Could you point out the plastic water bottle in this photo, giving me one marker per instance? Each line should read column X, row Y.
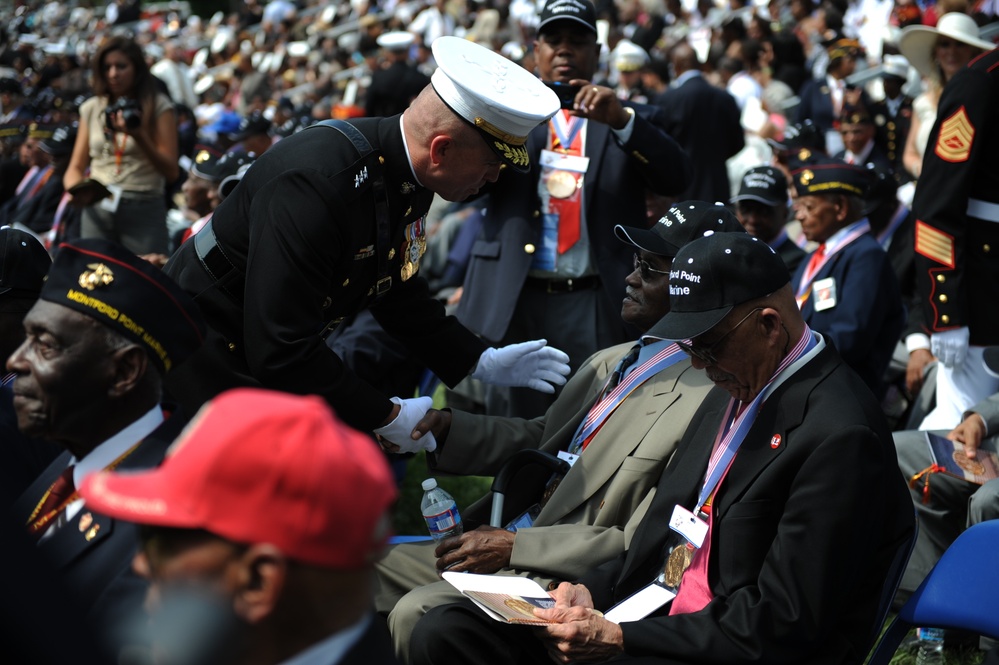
column 440, row 511
column 931, row 641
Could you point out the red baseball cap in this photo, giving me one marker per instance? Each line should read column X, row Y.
column 257, row 466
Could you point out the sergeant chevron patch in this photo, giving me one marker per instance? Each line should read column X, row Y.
column 934, row 244
column 956, row 136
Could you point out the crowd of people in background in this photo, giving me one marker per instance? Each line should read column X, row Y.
column 855, row 138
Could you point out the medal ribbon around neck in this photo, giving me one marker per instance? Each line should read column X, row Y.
column 854, row 231
column 602, row 410
column 735, row 427
column 566, row 129
column 38, row 524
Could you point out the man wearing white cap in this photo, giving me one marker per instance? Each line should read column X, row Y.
column 330, row 221
column 398, row 82
column 546, row 262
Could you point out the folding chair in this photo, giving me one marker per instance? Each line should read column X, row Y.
column 961, row 592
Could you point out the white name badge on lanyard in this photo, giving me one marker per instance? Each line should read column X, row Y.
column 111, row 203
column 568, row 457
column 688, row 525
column 562, row 162
column 824, row 294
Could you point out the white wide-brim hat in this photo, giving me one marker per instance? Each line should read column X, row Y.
column 498, row 97
column 917, row 41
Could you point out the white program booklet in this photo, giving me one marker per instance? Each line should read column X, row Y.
column 503, row 597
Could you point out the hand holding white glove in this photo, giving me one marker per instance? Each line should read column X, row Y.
column 399, row 431
column 950, row 346
column 528, row 364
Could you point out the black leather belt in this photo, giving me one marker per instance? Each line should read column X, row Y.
column 563, row 285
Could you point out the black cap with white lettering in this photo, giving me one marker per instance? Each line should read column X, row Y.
column 711, row 275
column 682, row 223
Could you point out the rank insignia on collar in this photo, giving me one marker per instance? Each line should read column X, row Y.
column 98, row 275
column 360, row 177
column 407, row 188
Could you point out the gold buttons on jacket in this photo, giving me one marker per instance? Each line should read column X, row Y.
column 986, row 248
column 346, row 281
column 944, row 319
column 941, row 278
column 943, row 297
column 529, row 248
column 537, row 213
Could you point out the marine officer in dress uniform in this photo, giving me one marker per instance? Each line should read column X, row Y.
column 330, row 221
column 957, row 238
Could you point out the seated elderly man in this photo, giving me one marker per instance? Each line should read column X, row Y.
column 846, row 288
column 258, row 533
column 761, row 206
column 945, row 505
column 619, row 420
column 783, row 503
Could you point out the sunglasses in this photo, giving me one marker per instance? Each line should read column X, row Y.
column 645, row 270
column 707, row 354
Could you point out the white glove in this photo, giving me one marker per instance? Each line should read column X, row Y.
column 399, row 431
column 528, row 364
column 950, row 346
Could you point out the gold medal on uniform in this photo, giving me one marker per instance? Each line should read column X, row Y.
column 416, row 245
column 561, row 184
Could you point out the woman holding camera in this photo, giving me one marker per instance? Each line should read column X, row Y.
column 128, row 142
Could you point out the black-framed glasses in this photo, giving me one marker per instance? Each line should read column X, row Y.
column 707, row 355
column 646, row 270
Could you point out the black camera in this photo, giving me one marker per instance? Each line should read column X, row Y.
column 566, row 93
column 131, row 113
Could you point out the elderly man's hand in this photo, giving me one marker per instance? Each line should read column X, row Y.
column 914, row 371
column 599, row 103
column 438, row 423
column 580, row 634
column 484, row 550
column 970, row 432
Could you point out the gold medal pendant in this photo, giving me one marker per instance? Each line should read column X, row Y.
column 408, row 270
column 676, row 564
column 561, row 184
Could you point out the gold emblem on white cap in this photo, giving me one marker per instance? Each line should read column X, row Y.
column 98, row 275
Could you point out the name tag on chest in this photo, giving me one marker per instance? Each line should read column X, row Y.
column 824, row 293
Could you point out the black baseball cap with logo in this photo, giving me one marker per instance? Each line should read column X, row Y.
column 581, row 11
column 713, row 274
column 764, row 184
column 682, row 223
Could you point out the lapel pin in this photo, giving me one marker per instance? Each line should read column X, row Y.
column 775, row 441
column 86, row 521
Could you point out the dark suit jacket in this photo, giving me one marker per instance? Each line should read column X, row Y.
column 300, row 232
column 876, row 157
column 38, row 212
column 902, row 255
column 868, row 317
column 99, row 571
column 802, row 535
column 790, row 254
column 705, row 121
column 613, row 193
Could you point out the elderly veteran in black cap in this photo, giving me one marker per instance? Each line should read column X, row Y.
column 331, row 221
column 761, row 206
column 253, row 134
column 858, row 130
column 106, row 328
column 764, row 489
column 846, row 288
column 23, row 266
